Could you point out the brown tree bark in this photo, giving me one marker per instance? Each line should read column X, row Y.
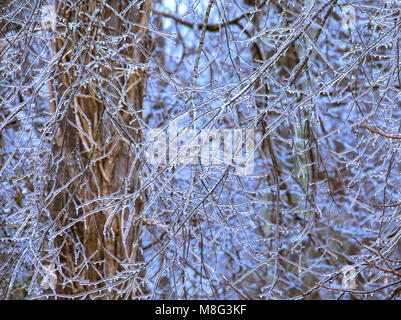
column 97, row 104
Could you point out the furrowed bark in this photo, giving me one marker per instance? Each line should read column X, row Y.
column 97, row 107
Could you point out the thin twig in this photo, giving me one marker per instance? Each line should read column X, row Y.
column 381, row 133
column 235, row 289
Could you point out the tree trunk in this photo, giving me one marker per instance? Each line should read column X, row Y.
column 98, row 92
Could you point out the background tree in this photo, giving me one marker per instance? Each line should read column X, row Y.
column 97, row 104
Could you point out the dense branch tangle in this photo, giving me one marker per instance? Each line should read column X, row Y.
column 97, row 121
column 324, row 99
